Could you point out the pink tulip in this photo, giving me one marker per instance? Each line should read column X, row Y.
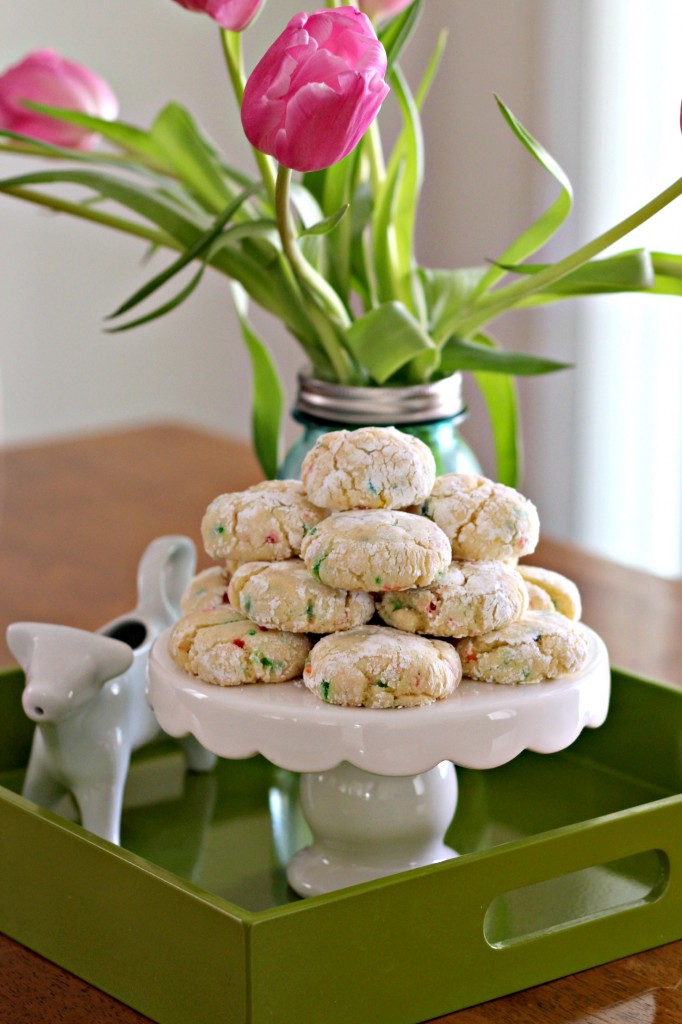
column 233, row 15
column 316, row 90
column 383, row 8
column 45, row 77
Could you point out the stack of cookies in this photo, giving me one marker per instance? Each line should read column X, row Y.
column 378, row 583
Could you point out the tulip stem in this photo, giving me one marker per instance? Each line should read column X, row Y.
column 326, row 311
column 374, row 149
column 232, row 51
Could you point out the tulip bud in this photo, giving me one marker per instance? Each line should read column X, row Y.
column 45, row 77
column 313, row 95
column 380, row 9
column 233, row 15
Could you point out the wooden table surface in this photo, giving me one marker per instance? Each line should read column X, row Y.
column 75, row 517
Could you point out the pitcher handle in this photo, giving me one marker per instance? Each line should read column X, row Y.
column 165, row 570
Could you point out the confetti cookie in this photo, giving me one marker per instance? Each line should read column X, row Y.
column 185, row 630
column 284, row 595
column 374, row 549
column 231, row 653
column 541, row 645
column 208, row 589
column 550, row 591
column 378, row 667
column 265, row 523
column 467, row 599
column 373, row 467
column 484, row 520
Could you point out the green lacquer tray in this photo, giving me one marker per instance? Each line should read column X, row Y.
column 567, row 861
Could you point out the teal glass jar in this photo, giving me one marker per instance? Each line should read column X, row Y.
column 432, row 412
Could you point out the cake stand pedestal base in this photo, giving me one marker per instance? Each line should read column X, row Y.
column 365, row 825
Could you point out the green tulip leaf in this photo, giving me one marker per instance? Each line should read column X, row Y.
column 385, row 267
column 385, row 339
column 446, row 293
column 339, row 189
column 548, row 223
column 397, row 32
column 408, row 156
column 394, row 226
column 160, row 311
column 458, row 354
column 125, row 136
column 175, row 135
column 501, row 399
column 152, row 205
column 306, row 205
column 267, row 395
column 667, row 273
column 323, row 227
column 194, row 251
column 625, row 272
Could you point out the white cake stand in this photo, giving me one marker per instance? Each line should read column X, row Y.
column 378, row 788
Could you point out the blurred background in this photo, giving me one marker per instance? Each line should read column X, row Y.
column 597, row 81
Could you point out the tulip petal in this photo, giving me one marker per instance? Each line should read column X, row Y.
column 43, row 77
column 316, row 90
column 233, row 15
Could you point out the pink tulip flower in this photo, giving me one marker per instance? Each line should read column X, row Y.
column 313, row 95
column 380, row 9
column 233, row 15
column 45, row 77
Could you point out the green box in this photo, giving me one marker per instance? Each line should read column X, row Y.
column 567, row 861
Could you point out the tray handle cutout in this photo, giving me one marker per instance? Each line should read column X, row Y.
column 569, row 899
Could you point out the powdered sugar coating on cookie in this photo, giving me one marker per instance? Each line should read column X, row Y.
column 551, row 591
column 208, row 589
column 467, row 599
column 285, row 595
column 232, row 653
column 483, row 519
column 379, row 667
column 185, row 630
column 265, row 523
column 541, row 645
column 372, row 467
column 375, row 550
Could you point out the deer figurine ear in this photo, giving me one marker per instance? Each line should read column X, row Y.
column 107, row 657
column 21, row 638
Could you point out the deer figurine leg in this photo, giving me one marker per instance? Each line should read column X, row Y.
column 100, row 804
column 40, row 785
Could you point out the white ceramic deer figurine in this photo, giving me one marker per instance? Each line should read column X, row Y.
column 86, row 693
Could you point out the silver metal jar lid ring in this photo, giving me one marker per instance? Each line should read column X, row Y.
column 414, row 403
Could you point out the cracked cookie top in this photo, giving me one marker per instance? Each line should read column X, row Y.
column 285, row 595
column 537, row 647
column 372, row 467
column 265, row 523
column 227, row 649
column 482, row 519
column 466, row 599
column 376, row 550
column 379, row 667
